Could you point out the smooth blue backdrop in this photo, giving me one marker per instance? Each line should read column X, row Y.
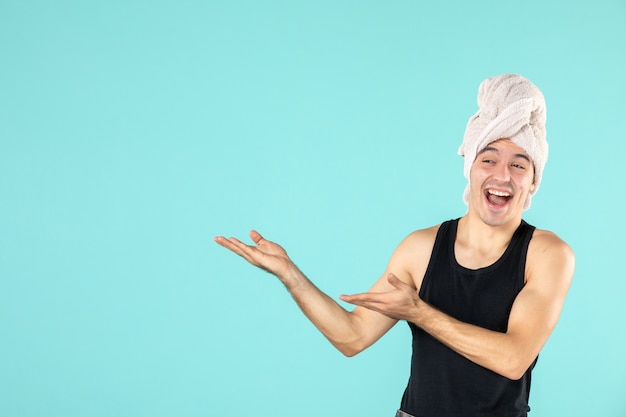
column 132, row 132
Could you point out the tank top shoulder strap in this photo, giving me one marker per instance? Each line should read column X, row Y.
column 520, row 243
column 441, row 249
column 445, row 232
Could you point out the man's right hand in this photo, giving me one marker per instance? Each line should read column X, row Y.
column 265, row 254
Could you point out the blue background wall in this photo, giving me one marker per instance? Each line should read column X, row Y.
column 132, row 132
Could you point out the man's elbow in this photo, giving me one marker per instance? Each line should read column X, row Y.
column 349, row 349
column 349, row 353
column 515, row 369
column 514, row 374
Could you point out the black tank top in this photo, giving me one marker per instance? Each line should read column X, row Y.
column 444, row 383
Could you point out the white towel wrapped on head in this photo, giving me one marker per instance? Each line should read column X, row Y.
column 509, row 107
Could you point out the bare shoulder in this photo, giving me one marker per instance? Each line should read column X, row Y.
column 418, row 242
column 545, row 242
column 422, row 237
column 550, row 256
column 413, row 254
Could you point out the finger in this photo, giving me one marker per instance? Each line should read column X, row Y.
column 397, row 282
column 245, row 251
column 256, row 237
column 351, row 299
column 363, row 302
column 348, row 298
column 394, row 280
column 227, row 243
column 358, row 299
column 222, row 241
column 236, row 246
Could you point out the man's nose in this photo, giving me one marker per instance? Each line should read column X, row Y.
column 502, row 172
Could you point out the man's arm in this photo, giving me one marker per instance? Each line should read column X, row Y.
column 534, row 314
column 349, row 332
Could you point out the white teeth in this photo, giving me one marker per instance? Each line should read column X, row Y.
column 499, row 193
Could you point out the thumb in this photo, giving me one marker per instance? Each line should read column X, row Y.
column 256, row 236
column 395, row 281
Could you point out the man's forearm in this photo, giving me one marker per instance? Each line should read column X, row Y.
column 498, row 352
column 339, row 326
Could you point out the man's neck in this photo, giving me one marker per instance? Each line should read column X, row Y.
column 478, row 244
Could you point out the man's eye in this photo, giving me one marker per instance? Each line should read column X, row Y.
column 519, row 166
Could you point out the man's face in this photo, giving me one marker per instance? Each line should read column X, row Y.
column 501, row 177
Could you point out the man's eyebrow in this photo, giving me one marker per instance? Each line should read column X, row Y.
column 487, row 149
column 492, row 149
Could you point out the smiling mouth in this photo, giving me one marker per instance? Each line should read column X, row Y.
column 498, row 198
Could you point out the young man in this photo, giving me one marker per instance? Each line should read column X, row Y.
column 481, row 293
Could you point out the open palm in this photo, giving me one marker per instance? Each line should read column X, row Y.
column 264, row 254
